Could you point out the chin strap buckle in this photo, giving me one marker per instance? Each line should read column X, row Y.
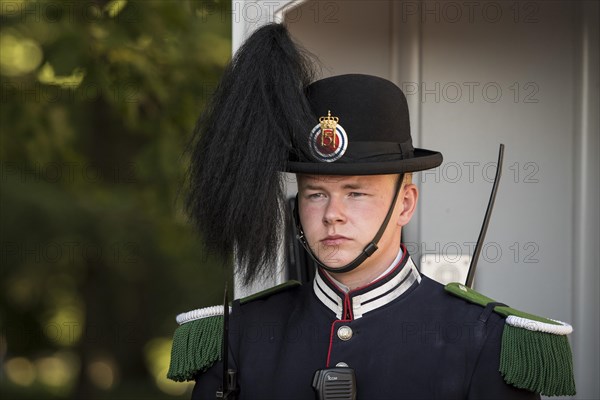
column 370, row 249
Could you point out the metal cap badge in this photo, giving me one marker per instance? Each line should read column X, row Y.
column 328, row 140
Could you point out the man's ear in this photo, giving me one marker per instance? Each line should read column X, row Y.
column 407, row 202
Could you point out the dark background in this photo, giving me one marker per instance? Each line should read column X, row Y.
column 98, row 102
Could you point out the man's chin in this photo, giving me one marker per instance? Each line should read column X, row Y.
column 334, row 256
column 336, row 262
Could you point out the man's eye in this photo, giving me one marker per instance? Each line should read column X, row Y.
column 356, row 194
column 315, row 195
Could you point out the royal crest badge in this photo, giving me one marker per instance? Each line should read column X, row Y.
column 328, row 140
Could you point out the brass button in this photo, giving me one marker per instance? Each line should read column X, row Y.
column 344, row 332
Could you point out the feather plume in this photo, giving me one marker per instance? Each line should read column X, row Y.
column 235, row 193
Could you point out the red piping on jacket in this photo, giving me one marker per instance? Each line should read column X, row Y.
column 348, row 312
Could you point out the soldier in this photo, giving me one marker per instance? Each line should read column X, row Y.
column 369, row 326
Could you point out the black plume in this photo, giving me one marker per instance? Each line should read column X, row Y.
column 241, row 142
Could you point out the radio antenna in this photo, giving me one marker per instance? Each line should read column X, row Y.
column 486, row 220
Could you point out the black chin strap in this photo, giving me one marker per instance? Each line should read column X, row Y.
column 369, row 248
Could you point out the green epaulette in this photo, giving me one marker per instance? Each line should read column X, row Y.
column 197, row 340
column 196, row 343
column 535, row 353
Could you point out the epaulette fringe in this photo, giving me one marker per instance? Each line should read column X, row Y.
column 536, row 354
column 196, row 343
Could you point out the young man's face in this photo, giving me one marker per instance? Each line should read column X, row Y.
column 340, row 215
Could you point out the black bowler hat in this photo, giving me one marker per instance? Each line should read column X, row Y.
column 361, row 128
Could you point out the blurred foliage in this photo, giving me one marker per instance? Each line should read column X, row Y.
column 99, row 99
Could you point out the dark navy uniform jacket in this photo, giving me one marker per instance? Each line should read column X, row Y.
column 405, row 337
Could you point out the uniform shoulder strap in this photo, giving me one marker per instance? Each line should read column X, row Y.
column 535, row 353
column 196, row 343
column 198, row 339
column 270, row 292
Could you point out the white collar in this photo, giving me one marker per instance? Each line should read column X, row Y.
column 357, row 302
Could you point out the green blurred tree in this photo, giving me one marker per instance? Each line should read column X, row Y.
column 98, row 103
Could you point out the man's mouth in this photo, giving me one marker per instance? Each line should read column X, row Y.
column 334, row 240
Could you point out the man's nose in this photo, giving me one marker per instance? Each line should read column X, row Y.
column 335, row 211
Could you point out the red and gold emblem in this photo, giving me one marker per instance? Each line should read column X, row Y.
column 328, row 140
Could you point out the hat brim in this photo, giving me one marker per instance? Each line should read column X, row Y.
column 422, row 159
